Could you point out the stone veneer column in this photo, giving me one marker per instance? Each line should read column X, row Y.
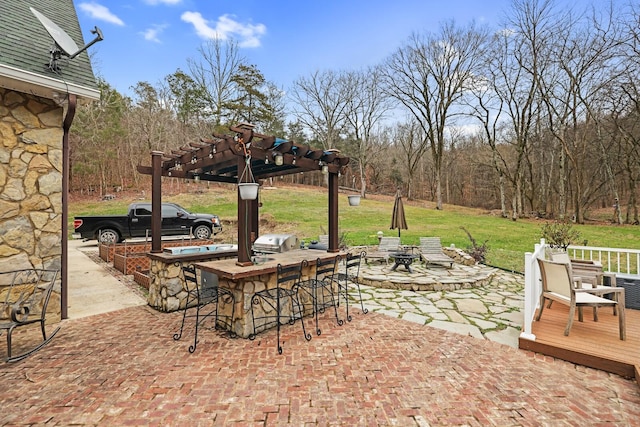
column 30, row 181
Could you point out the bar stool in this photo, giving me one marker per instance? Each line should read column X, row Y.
column 273, row 300
column 320, row 289
column 351, row 271
column 199, row 298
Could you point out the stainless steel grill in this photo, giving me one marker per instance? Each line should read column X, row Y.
column 275, row 243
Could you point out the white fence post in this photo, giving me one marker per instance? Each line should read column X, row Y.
column 532, row 289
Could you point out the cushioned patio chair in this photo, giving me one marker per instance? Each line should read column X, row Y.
column 431, row 252
column 558, row 285
column 590, row 273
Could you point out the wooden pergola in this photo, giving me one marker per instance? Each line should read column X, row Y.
column 243, row 157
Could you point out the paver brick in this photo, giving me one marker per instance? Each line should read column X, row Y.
column 124, row 368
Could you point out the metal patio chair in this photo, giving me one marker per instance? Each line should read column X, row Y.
column 24, row 297
column 271, row 302
column 319, row 290
column 350, row 275
column 204, row 301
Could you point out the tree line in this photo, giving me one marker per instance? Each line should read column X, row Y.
column 536, row 117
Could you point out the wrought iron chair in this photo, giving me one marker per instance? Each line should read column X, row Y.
column 271, row 303
column 24, row 297
column 199, row 299
column 319, row 290
column 558, row 285
column 351, row 272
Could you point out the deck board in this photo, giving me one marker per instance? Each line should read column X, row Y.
column 593, row 344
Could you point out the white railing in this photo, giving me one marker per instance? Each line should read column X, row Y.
column 532, row 288
column 613, row 260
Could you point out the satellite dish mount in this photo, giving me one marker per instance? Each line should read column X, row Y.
column 63, row 44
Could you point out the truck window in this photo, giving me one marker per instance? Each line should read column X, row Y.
column 169, row 211
column 142, row 211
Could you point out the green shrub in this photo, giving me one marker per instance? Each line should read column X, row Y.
column 559, row 234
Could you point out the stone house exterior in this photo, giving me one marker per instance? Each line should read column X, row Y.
column 37, row 105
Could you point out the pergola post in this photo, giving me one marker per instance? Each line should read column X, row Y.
column 156, row 201
column 333, row 213
column 245, row 222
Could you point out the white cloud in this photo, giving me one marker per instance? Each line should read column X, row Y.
column 152, row 34
column 100, row 12
column 248, row 35
column 156, row 2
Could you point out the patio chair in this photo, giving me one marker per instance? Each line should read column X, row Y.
column 387, row 246
column 558, row 285
column 350, row 275
column 590, row 273
column 319, row 290
column 271, row 302
column 205, row 300
column 431, row 252
column 24, row 297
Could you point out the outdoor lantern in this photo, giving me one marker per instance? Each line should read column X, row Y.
column 279, row 159
column 325, row 169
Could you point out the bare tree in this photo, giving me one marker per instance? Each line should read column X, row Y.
column 213, row 72
column 320, row 104
column 516, row 62
column 430, row 76
column 365, row 111
column 583, row 53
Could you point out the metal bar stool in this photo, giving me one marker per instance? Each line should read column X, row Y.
column 199, row 298
column 351, row 271
column 320, row 289
column 272, row 301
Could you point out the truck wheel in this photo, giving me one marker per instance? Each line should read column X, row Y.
column 202, row 232
column 108, row 236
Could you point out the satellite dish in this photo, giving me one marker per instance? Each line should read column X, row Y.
column 63, row 43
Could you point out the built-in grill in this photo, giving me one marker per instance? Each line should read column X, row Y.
column 275, row 243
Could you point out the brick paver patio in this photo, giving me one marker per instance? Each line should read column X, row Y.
column 124, row 368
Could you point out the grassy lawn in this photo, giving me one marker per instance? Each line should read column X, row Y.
column 303, row 211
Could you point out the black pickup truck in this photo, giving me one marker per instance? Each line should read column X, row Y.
column 175, row 221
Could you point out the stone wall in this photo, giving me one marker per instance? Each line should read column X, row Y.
column 30, row 181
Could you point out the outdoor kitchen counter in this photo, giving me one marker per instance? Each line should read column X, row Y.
column 245, row 281
column 228, row 269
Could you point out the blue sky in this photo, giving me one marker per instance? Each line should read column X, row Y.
column 145, row 40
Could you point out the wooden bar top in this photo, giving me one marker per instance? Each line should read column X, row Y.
column 229, row 269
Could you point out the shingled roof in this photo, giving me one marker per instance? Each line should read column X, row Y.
column 25, row 45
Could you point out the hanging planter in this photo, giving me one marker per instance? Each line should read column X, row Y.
column 354, row 200
column 248, row 190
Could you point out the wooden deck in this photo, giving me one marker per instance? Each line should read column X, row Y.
column 593, row 344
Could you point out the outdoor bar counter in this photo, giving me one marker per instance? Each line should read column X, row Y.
column 245, row 281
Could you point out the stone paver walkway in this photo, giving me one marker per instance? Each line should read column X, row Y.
column 492, row 310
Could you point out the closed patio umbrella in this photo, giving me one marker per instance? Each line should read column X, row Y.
column 397, row 218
